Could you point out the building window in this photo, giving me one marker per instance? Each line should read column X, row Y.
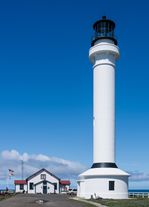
column 43, row 176
column 21, row 186
column 55, row 186
column 31, row 186
column 111, row 185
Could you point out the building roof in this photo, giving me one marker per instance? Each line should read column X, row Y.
column 65, row 182
column 94, row 172
column 18, row 182
column 40, row 171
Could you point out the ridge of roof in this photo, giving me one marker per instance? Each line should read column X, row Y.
column 40, row 171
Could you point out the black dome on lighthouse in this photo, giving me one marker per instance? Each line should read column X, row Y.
column 104, row 29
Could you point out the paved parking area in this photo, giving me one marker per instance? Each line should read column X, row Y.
column 27, row 200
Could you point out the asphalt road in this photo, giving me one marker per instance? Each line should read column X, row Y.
column 27, row 200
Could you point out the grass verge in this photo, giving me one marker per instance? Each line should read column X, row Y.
column 86, row 204
column 136, row 202
column 5, row 196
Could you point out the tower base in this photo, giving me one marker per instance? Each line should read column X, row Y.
column 111, row 183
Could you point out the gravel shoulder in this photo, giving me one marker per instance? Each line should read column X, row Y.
column 37, row 200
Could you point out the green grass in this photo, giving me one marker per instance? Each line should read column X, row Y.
column 88, row 205
column 85, row 204
column 5, row 196
column 138, row 202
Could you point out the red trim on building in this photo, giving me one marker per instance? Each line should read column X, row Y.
column 18, row 182
column 64, row 182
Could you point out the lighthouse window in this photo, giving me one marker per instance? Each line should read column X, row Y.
column 111, row 185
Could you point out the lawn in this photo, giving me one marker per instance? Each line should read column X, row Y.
column 86, row 204
column 136, row 202
column 5, row 196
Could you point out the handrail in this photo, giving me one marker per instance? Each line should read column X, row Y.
column 139, row 194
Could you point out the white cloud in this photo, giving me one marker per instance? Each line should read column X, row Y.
column 10, row 155
column 139, row 176
column 41, row 157
column 11, row 159
column 64, row 169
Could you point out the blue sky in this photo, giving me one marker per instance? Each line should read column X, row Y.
column 46, row 81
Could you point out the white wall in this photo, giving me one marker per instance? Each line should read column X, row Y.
column 50, row 188
column 103, row 56
column 99, row 187
column 17, row 188
column 39, row 188
column 64, row 188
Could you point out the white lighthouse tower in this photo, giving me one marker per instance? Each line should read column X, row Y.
column 104, row 179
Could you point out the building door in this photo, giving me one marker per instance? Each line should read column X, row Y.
column 44, row 187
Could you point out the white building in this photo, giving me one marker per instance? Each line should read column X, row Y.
column 43, row 182
column 104, row 179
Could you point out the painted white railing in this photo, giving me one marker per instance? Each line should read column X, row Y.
column 138, row 194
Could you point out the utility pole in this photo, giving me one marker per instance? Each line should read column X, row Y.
column 22, row 169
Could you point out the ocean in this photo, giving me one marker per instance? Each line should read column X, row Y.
column 138, row 191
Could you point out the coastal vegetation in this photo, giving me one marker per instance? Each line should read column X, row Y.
column 5, row 196
column 133, row 202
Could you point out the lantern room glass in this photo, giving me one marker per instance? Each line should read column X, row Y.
column 104, row 28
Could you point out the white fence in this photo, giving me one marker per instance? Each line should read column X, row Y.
column 138, row 194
